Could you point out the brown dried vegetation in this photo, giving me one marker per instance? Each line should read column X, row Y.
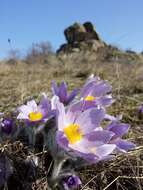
column 23, row 81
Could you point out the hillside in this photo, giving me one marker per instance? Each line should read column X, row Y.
column 81, row 56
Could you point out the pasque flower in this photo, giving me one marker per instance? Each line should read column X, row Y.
column 35, row 113
column 119, row 130
column 97, row 92
column 71, row 182
column 7, row 125
column 61, row 92
column 8, row 128
column 80, row 132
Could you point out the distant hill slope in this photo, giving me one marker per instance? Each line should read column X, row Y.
column 84, row 38
column 82, row 43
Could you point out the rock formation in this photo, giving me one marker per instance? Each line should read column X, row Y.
column 81, row 37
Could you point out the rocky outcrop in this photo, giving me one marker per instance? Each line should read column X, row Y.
column 75, row 33
column 81, row 37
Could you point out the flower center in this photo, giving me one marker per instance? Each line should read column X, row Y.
column 90, row 98
column 35, row 116
column 73, row 133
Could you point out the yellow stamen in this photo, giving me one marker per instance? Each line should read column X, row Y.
column 35, row 116
column 73, row 133
column 90, row 98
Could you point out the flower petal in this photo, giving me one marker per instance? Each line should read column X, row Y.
column 22, row 116
column 103, row 136
column 60, row 115
column 72, row 95
column 45, row 102
column 118, row 128
column 45, row 106
column 62, row 140
column 25, row 109
column 63, row 92
column 90, row 119
column 54, row 88
column 32, row 105
column 124, row 145
column 104, row 150
column 105, row 100
column 85, row 91
column 101, row 89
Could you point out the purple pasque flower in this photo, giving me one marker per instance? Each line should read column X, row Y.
column 119, row 130
column 7, row 125
column 34, row 113
column 80, row 133
column 71, row 182
column 9, row 129
column 96, row 92
column 61, row 92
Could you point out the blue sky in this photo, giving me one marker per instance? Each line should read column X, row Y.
column 119, row 22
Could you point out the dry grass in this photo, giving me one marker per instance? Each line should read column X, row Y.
column 21, row 82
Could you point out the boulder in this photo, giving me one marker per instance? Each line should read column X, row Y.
column 81, row 36
column 91, row 31
column 75, row 33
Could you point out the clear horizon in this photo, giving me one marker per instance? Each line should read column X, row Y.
column 26, row 22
